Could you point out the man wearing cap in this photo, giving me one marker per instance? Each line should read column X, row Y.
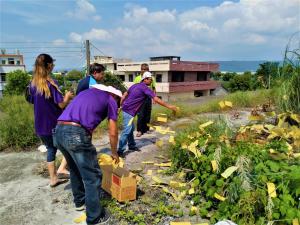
column 144, row 115
column 96, row 75
column 131, row 102
column 73, row 136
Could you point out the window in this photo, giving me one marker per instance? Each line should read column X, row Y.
column 11, row 61
column 198, row 93
column 202, row 76
column 115, row 66
column 130, row 77
column 121, row 77
column 158, row 78
column 177, row 76
column 3, row 61
column 3, row 77
column 18, row 62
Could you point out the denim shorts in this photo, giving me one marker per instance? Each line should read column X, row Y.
column 51, row 150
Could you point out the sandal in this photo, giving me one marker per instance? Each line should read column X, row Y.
column 58, row 183
column 63, row 176
column 139, row 134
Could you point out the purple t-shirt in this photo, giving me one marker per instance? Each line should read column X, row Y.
column 46, row 110
column 137, row 94
column 90, row 107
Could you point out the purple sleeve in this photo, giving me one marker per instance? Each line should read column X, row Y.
column 112, row 109
column 56, row 95
column 149, row 92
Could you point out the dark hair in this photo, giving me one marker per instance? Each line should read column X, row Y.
column 43, row 60
column 145, row 65
column 96, row 67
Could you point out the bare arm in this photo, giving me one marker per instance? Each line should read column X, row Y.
column 68, row 96
column 123, row 97
column 162, row 103
column 113, row 138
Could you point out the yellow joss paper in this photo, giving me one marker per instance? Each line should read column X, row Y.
column 225, row 104
column 194, row 209
column 158, row 180
column 219, row 197
column 149, row 172
column 206, row 124
column 175, row 184
column 162, row 119
column 229, row 171
column 191, row 191
column 171, row 139
column 80, row 219
column 180, row 223
column 138, row 179
column 159, row 143
column 168, row 164
column 271, row 190
column 214, row 165
column 147, row 162
column 201, row 224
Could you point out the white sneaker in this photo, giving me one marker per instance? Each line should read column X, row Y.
column 80, row 208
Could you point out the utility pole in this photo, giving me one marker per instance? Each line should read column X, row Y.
column 88, row 55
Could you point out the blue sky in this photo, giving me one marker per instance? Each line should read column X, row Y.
column 194, row 29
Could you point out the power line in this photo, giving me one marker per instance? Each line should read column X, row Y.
column 98, row 50
column 26, row 47
column 51, row 52
column 40, row 42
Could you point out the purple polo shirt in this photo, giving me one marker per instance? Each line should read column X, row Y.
column 46, row 111
column 90, row 107
column 137, row 94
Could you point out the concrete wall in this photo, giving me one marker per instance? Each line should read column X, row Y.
column 136, row 66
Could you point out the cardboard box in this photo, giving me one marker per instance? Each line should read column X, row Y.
column 119, row 182
column 161, row 117
column 106, row 177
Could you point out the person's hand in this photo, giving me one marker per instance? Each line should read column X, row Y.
column 69, row 95
column 173, row 108
column 119, row 110
column 115, row 157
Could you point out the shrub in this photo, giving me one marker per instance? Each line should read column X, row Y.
column 16, row 82
column 288, row 98
column 16, row 123
column 112, row 80
column 74, row 75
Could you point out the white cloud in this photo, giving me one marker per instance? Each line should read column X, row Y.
column 247, row 29
column 84, row 10
column 75, row 37
column 59, row 42
column 137, row 14
column 93, row 35
column 255, row 39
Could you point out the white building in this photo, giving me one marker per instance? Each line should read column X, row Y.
column 175, row 79
column 9, row 63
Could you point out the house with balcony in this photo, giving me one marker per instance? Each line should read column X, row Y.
column 175, row 79
column 9, row 63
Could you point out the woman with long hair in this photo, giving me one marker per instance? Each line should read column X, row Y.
column 48, row 105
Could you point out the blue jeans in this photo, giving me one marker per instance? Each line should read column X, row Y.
column 76, row 145
column 127, row 133
column 51, row 150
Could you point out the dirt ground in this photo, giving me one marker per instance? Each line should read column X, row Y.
column 27, row 199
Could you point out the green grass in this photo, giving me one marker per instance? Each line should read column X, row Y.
column 16, row 123
column 239, row 100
